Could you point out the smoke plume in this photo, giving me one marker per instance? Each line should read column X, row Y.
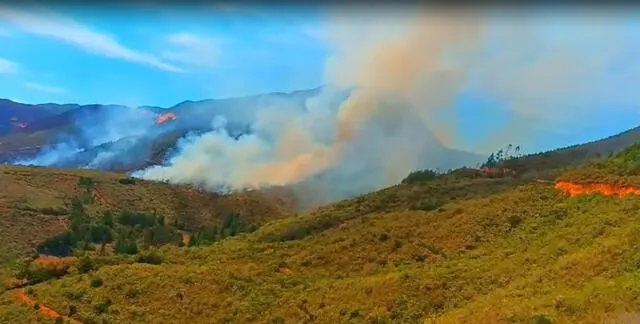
column 112, row 129
column 389, row 102
column 379, row 132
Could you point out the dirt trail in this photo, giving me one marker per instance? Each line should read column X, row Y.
column 574, row 189
column 22, row 298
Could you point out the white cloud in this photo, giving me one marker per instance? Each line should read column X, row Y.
column 192, row 49
column 49, row 24
column 45, row 88
column 8, row 67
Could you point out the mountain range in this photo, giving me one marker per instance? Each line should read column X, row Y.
column 28, row 131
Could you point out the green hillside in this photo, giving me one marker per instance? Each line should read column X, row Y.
column 449, row 249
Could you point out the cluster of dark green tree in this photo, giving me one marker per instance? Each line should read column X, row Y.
column 501, row 157
column 125, row 231
column 232, row 225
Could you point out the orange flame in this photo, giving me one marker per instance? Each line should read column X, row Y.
column 186, row 239
column 22, row 298
column 573, row 189
column 164, row 118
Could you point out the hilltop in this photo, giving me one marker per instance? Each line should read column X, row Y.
column 448, row 248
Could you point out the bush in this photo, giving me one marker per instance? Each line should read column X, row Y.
column 132, row 219
column 514, row 221
column 127, row 181
column 426, row 205
column 150, row 258
column 126, row 245
column 420, row 176
column 101, row 234
column 85, row 265
column 53, row 211
column 102, row 306
column 59, row 245
column 107, row 219
column 96, row 282
column 86, row 182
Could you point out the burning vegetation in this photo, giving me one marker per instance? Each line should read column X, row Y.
column 575, row 189
column 165, row 117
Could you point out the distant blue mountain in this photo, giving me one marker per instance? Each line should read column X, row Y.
column 75, row 136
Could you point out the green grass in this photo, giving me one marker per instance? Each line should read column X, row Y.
column 566, row 259
column 450, row 249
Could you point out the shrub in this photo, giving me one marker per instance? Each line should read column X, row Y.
column 102, row 306
column 101, row 234
column 420, row 176
column 426, row 205
column 127, row 181
column 85, row 264
column 72, row 310
column 59, row 245
column 107, row 219
column 514, row 220
column 151, row 257
column 132, row 219
column 96, row 282
column 86, row 182
column 132, row 293
column 540, row 319
column 53, row 211
column 126, row 245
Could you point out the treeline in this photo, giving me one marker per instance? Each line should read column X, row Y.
column 502, row 157
column 128, row 232
column 125, row 231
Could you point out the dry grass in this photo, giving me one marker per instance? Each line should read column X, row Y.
column 34, row 202
column 451, row 250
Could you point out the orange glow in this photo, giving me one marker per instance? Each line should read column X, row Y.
column 573, row 189
column 186, row 239
column 22, row 298
column 166, row 117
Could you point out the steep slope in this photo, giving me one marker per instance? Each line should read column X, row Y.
column 577, row 154
column 450, row 250
column 35, row 202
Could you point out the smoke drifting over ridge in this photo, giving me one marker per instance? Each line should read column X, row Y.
column 379, row 70
column 114, row 130
column 406, row 68
column 392, row 84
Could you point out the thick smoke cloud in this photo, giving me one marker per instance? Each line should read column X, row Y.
column 389, row 102
column 112, row 129
column 371, row 139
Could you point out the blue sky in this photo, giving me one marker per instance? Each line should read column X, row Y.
column 156, row 56
column 164, row 55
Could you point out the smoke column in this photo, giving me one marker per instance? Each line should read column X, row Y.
column 380, row 120
column 405, row 68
